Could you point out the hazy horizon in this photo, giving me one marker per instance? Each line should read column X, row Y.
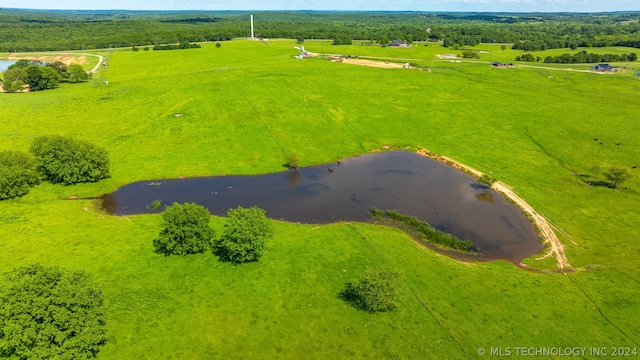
column 510, row 6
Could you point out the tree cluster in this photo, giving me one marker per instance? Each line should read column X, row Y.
column 181, row 46
column 56, row 158
column 186, row 230
column 39, row 76
column 50, row 313
column 584, row 57
column 65, row 160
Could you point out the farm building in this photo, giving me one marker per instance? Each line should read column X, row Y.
column 603, row 67
column 399, row 43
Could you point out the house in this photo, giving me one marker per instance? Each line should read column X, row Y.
column 602, row 67
column 399, row 43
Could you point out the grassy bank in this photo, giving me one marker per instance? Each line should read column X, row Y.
column 245, row 106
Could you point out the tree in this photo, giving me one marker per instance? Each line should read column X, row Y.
column 68, row 161
column 377, row 290
column 503, row 47
column 246, row 232
column 48, row 312
column 14, row 79
column 59, row 67
column 486, row 179
column 76, row 73
column 617, row 175
column 41, row 77
column 300, row 40
column 185, row 230
column 18, row 174
column 218, row 45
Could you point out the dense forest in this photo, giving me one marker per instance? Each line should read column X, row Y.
column 40, row 30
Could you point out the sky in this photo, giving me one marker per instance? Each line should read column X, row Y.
column 413, row 5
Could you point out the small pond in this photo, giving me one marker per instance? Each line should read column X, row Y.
column 412, row 184
column 4, row 64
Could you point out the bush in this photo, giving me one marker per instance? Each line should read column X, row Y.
column 68, row 161
column 469, row 54
column 486, row 179
column 377, row 290
column 18, row 174
column 292, row 161
column 48, row 313
column 185, row 230
column 245, row 235
column 617, row 176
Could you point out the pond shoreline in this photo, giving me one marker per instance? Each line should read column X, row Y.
column 542, row 224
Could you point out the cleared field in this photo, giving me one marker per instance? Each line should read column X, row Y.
column 244, row 107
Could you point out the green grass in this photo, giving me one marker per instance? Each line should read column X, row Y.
column 246, row 107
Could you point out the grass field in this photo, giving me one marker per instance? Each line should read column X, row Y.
column 245, row 106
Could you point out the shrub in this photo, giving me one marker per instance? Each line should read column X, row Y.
column 18, row 173
column 246, row 232
column 486, row 179
column 469, row 54
column 292, row 161
column 68, row 161
column 617, row 176
column 377, row 290
column 185, row 230
column 50, row 313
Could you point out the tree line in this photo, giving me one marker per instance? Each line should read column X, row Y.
column 22, row 30
column 582, row 57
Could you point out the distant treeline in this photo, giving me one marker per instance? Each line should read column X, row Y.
column 181, row 46
column 581, row 57
column 39, row 30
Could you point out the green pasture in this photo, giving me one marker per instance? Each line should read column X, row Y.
column 245, row 106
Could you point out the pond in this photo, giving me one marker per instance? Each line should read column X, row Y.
column 412, row 184
column 4, row 64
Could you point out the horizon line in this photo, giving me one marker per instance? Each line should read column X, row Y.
column 329, row 10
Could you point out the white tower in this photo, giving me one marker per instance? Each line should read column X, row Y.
column 252, row 27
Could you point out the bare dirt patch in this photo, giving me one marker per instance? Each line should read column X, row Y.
column 546, row 229
column 373, row 63
column 447, row 56
column 66, row 59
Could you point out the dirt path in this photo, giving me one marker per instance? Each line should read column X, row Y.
column 546, row 229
